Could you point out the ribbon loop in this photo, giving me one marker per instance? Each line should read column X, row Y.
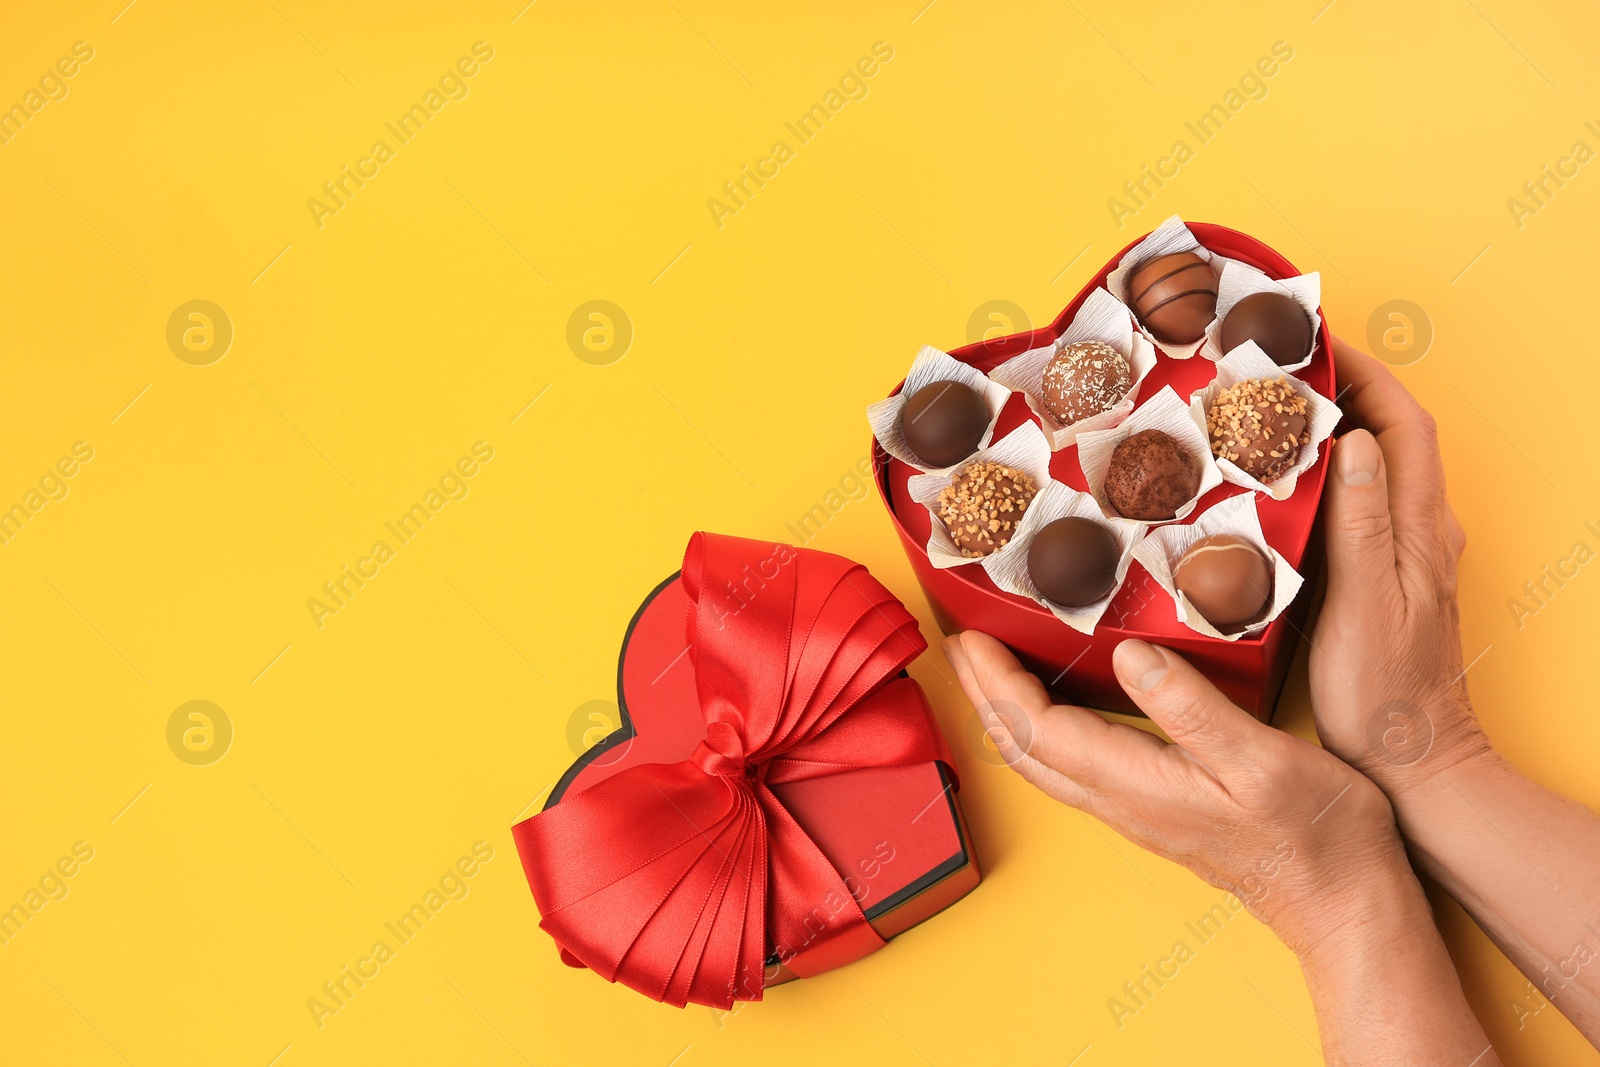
column 680, row 880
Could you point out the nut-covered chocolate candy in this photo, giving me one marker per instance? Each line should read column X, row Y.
column 1272, row 320
column 1259, row 424
column 982, row 506
column 1174, row 296
column 1151, row 476
column 1227, row 579
column 1082, row 379
column 943, row 422
column 1073, row 561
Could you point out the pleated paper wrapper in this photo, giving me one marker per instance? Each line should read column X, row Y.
column 1240, row 280
column 1171, row 236
column 1024, row 448
column 1160, row 551
column 932, row 365
column 1166, row 412
column 1009, row 570
column 1101, row 318
column 1246, row 362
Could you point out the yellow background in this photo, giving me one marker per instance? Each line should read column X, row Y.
column 431, row 310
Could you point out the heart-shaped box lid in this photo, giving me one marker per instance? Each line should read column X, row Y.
column 896, row 834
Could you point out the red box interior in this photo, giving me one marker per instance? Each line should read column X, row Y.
column 1077, row 667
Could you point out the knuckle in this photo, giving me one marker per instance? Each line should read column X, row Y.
column 1367, row 529
column 1188, row 712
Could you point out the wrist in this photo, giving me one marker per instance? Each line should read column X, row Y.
column 1372, row 913
column 1413, row 747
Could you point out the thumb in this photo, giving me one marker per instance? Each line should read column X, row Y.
column 1359, row 531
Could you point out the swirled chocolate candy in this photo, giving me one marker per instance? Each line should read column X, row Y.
column 943, row 422
column 1259, row 425
column 1227, row 579
column 1151, row 476
column 982, row 506
column 1273, row 321
column 1082, row 379
column 1175, row 296
column 1073, row 561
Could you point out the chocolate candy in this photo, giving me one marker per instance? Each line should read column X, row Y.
column 1227, row 579
column 982, row 506
column 1175, row 296
column 1258, row 424
column 1073, row 561
column 1082, row 379
column 1272, row 320
column 1151, row 476
column 944, row 422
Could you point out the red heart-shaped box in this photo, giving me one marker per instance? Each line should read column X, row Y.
column 1077, row 667
column 896, row 835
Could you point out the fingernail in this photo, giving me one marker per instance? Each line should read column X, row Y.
column 1140, row 666
column 1358, row 458
column 954, row 652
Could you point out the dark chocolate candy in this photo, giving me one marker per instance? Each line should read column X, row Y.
column 1273, row 321
column 943, row 422
column 1073, row 561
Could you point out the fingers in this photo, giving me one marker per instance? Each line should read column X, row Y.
column 1189, row 709
column 1375, row 400
column 1070, row 743
column 1357, row 524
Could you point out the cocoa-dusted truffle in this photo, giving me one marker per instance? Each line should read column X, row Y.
column 944, row 422
column 1084, row 378
column 1273, row 321
column 982, row 506
column 1227, row 579
column 1073, row 561
column 1151, row 476
column 1260, row 425
column 1175, row 296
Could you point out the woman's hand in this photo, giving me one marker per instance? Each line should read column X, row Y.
column 1389, row 695
column 1387, row 677
column 1305, row 842
column 1292, row 831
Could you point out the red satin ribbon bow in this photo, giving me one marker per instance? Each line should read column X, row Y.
column 680, row 880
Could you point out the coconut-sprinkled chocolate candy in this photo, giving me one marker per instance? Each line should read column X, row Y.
column 943, row 422
column 1275, row 322
column 1151, row 476
column 1259, row 425
column 1084, row 378
column 1073, row 561
column 1227, row 579
column 1175, row 296
column 982, row 506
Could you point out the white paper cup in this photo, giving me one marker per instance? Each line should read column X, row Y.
column 1166, row 412
column 1322, row 415
column 1010, row 569
column 1160, row 551
column 1170, row 237
column 1023, row 448
column 932, row 365
column 1240, row 280
column 1102, row 317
